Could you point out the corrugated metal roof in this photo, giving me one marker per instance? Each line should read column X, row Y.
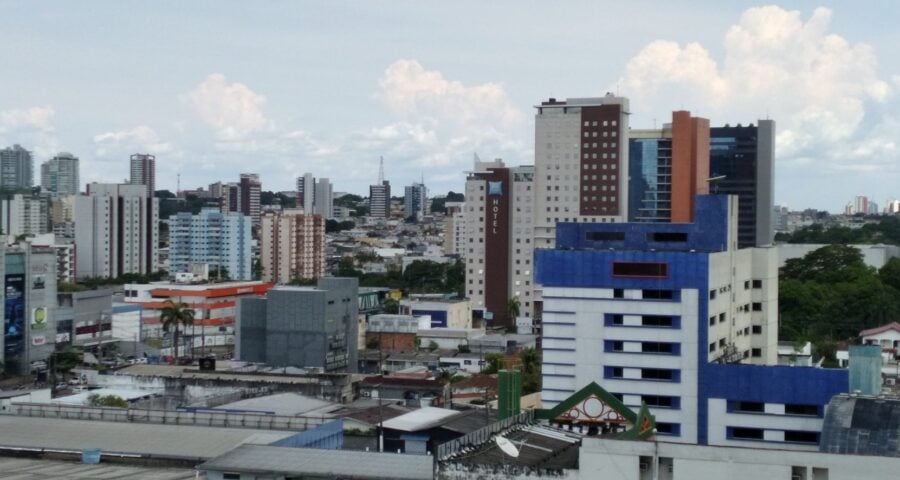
column 326, row 463
column 861, row 425
column 37, row 469
column 421, row 419
column 290, row 404
column 172, row 441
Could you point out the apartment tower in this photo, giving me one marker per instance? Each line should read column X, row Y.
column 16, row 168
column 292, row 245
column 59, row 175
column 143, row 172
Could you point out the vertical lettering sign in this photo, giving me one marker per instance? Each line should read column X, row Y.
column 496, row 248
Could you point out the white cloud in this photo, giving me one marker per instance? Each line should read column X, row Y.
column 34, row 118
column 233, row 110
column 139, row 139
column 815, row 84
column 409, row 90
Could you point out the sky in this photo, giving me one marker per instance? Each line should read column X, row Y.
column 217, row 88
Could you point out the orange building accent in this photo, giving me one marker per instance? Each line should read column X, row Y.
column 690, row 163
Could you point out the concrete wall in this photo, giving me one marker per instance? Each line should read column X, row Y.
column 622, row 460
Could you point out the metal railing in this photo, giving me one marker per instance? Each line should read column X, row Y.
column 168, row 417
column 482, row 435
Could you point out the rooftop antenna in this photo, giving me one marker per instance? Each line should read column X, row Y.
column 380, row 170
column 178, row 184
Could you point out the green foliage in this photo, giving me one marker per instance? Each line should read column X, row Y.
column 258, row 269
column 830, row 294
column 421, row 276
column 66, row 360
column 66, row 287
column 191, row 204
column 332, row 226
column 890, row 273
column 303, row 282
column 886, row 230
column 439, row 204
column 115, row 401
column 432, row 346
column 391, row 306
column 464, row 348
column 531, row 370
column 513, row 307
column 348, row 200
column 493, row 363
column 93, row 283
column 272, row 198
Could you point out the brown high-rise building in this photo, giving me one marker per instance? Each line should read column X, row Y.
column 143, row 172
column 668, row 168
column 292, row 245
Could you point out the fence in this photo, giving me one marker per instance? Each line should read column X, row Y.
column 167, row 417
column 482, row 435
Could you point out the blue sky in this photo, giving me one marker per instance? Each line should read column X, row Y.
column 281, row 88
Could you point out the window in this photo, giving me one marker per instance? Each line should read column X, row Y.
column 663, row 428
column 667, row 236
column 658, row 374
column 798, row 409
column 747, row 285
column 605, row 236
column 617, row 346
column 618, row 293
column 747, row 433
column 712, row 321
column 753, row 407
column 657, row 294
column 657, row 321
column 757, row 306
column 657, row 347
column 712, row 347
column 661, row 401
column 799, row 436
column 757, row 284
column 640, row 269
column 712, row 294
column 757, row 329
column 756, row 352
column 722, row 317
column 617, row 320
column 721, row 343
column 231, row 476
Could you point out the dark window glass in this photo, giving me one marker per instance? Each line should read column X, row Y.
column 757, row 352
column 748, row 433
column 667, row 237
column 656, row 347
column 657, row 374
column 757, row 307
column 657, row 294
column 757, row 407
column 757, row 284
column 656, row 321
column 617, row 372
column 757, row 329
column 618, row 319
column 798, row 409
column 800, row 436
column 617, row 346
column 605, row 236
column 618, row 293
column 640, row 269
column 668, row 428
column 712, row 294
column 659, row 400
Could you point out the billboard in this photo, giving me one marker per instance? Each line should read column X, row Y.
column 38, row 318
column 14, row 313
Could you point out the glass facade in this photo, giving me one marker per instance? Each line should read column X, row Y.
column 732, row 153
column 650, row 188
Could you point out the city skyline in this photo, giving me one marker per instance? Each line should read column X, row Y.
column 285, row 101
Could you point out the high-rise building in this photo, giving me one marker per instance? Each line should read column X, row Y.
column 301, row 326
column 742, row 163
column 676, row 317
column 143, row 172
column 292, row 245
column 24, row 215
column 323, row 203
column 213, row 238
column 581, row 163
column 455, row 229
column 241, row 197
column 893, row 206
column 16, row 169
column 116, row 231
column 306, row 192
column 498, row 240
column 59, row 175
column 315, row 197
column 415, row 201
column 380, row 200
column 668, row 168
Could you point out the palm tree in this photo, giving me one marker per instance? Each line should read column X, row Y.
column 173, row 314
column 513, row 307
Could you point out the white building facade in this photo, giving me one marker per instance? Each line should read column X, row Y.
column 212, row 238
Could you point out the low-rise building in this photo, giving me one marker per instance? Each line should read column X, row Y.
column 301, row 326
column 444, row 313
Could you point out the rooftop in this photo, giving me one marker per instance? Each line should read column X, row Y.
column 421, row 419
column 38, row 469
column 884, row 328
column 290, row 404
column 167, row 441
column 285, row 461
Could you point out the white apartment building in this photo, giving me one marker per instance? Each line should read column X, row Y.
column 498, row 240
column 292, row 245
column 581, row 163
column 212, row 238
column 455, row 229
column 116, row 231
column 24, row 215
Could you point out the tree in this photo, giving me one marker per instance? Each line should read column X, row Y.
column 115, row 401
column 391, row 306
column 493, row 363
column 219, row 273
column 175, row 314
column 531, row 370
column 890, row 273
column 832, row 263
column 513, row 307
column 258, row 269
column 432, row 346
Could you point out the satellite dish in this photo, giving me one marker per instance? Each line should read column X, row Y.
column 507, row 446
